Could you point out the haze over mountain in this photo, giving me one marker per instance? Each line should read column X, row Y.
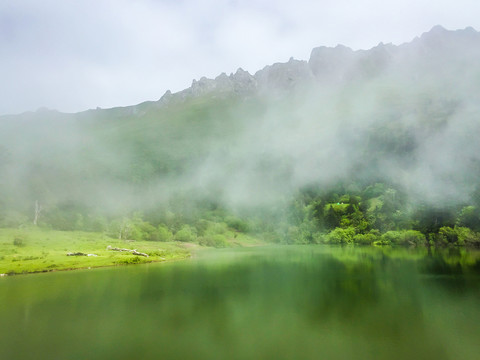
column 407, row 115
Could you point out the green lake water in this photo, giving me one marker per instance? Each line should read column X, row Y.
column 291, row 302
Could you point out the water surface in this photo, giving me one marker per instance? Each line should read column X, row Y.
column 292, row 302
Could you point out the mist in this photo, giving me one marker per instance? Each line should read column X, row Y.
column 403, row 115
column 342, row 187
column 73, row 56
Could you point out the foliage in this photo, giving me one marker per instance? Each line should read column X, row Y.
column 404, row 237
column 357, row 212
column 19, row 241
column 365, row 239
column 132, row 260
column 469, row 217
column 458, row 236
column 217, row 241
column 186, row 234
column 128, row 172
column 162, row 234
column 237, row 224
column 467, row 236
column 341, row 236
column 447, row 235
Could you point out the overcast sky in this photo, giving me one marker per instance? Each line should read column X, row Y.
column 74, row 55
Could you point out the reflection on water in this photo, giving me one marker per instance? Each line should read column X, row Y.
column 306, row 302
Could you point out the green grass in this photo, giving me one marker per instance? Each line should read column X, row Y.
column 244, row 240
column 40, row 250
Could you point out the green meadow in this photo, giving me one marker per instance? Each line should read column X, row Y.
column 40, row 250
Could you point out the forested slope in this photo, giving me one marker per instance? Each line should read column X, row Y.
column 351, row 146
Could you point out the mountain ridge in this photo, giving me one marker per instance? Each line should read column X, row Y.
column 328, row 65
column 394, row 124
column 322, row 60
column 324, row 113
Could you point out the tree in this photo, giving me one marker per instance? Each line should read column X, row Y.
column 447, row 235
column 186, row 234
column 431, row 219
column 162, row 234
column 332, row 219
column 469, row 217
column 38, row 210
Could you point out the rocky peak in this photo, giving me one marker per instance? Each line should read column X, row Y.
column 437, row 30
column 284, row 76
column 166, row 97
column 439, row 36
column 243, row 82
column 331, row 64
column 203, row 86
column 439, row 45
column 339, row 65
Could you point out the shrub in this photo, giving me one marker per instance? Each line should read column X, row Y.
column 341, row 236
column 185, row 234
column 131, row 260
column 218, row 241
column 365, row 239
column 469, row 217
column 202, row 226
column 415, row 237
column 404, row 237
column 447, row 235
column 19, row 241
column 467, row 236
column 237, row 224
column 216, row 228
column 158, row 252
column 381, row 242
column 161, row 234
column 319, row 238
column 457, row 236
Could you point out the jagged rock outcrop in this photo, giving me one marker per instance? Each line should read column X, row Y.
column 284, row 76
column 240, row 83
column 331, row 64
column 339, row 65
column 243, row 82
column 166, row 98
column 203, row 86
column 342, row 64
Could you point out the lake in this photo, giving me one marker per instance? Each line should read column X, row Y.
column 290, row 302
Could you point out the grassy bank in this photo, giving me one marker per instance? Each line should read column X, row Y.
column 41, row 250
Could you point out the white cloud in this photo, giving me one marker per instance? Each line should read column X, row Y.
column 73, row 55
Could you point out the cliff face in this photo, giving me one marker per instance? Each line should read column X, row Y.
column 438, row 50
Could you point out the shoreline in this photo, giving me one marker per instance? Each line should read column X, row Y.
column 190, row 256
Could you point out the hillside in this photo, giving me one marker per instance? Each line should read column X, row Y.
column 401, row 118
